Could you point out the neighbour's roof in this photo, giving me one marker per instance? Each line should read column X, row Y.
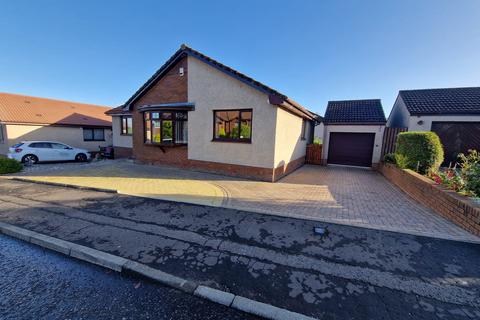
column 355, row 112
column 442, row 101
column 16, row 108
column 275, row 97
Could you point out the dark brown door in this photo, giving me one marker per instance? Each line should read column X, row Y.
column 354, row 149
column 457, row 137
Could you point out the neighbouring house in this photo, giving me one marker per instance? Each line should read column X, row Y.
column 353, row 132
column 31, row 118
column 453, row 113
column 197, row 113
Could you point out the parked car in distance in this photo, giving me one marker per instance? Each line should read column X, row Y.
column 35, row 151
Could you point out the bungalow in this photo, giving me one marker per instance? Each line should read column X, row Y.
column 353, row 132
column 198, row 113
column 31, row 118
column 453, row 113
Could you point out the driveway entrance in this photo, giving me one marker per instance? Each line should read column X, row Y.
column 350, row 196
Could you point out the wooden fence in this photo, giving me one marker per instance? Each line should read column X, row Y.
column 390, row 139
column 314, row 154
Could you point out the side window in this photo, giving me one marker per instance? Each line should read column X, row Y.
column 126, row 125
column 58, row 146
column 304, row 129
column 93, row 134
column 41, row 145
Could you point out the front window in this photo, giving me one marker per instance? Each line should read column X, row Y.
column 1, row 133
column 126, row 123
column 166, row 127
column 93, row 134
column 233, row 125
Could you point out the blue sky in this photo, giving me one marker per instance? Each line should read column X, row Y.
column 313, row 51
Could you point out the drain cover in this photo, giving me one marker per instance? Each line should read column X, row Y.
column 320, row 230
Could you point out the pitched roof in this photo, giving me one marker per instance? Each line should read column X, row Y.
column 442, row 101
column 275, row 97
column 16, row 108
column 117, row 111
column 355, row 112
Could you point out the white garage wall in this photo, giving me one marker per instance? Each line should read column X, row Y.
column 427, row 121
column 377, row 129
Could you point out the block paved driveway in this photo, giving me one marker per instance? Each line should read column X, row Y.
column 350, row 273
column 350, row 196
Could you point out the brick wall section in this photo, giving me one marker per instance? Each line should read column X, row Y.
column 284, row 170
column 452, row 206
column 171, row 88
column 122, row 152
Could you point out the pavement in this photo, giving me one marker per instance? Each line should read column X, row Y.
column 347, row 273
column 349, row 196
column 40, row 284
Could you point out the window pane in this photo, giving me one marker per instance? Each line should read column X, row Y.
column 167, row 131
column 146, row 115
column 87, row 134
column 156, row 131
column 129, row 125
column 166, row 115
column 148, row 131
column 246, row 125
column 181, row 116
column 226, row 124
column 123, row 121
column 181, row 131
column 98, row 134
column 155, row 115
column 58, row 146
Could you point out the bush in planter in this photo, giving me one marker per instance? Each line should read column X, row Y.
column 470, row 171
column 9, row 165
column 419, row 151
column 317, row 141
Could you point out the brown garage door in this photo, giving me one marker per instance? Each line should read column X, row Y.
column 355, row 149
column 457, row 137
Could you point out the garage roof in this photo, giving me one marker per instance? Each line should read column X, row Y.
column 442, row 101
column 16, row 108
column 367, row 111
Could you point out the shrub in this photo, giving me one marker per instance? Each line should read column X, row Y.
column 470, row 171
column 389, row 158
column 317, row 141
column 9, row 165
column 419, row 151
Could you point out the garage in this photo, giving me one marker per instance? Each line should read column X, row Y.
column 353, row 132
column 354, row 149
column 457, row 137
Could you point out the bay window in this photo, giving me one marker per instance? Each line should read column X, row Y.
column 233, row 125
column 166, row 127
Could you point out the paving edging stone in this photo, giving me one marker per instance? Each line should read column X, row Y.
column 121, row 264
column 65, row 185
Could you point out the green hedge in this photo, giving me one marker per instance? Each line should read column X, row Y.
column 9, row 165
column 419, row 151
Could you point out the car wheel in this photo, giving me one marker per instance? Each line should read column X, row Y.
column 81, row 157
column 30, row 158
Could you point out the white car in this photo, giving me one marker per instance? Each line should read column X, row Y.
column 35, row 151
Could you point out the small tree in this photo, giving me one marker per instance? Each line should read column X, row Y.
column 419, row 151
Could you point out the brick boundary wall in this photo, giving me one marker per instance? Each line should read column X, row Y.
column 122, row 152
column 447, row 203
